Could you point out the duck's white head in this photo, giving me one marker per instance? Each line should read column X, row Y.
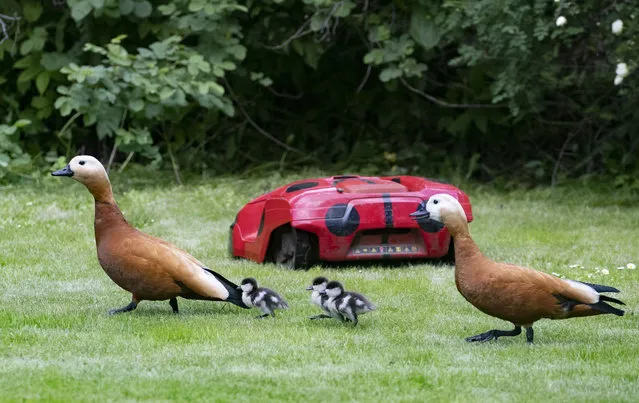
column 319, row 284
column 431, row 214
column 84, row 169
column 248, row 285
column 333, row 289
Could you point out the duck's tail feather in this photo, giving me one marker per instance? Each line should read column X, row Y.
column 235, row 295
column 610, row 299
column 600, row 288
column 601, row 306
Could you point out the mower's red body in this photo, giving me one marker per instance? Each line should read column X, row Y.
column 341, row 218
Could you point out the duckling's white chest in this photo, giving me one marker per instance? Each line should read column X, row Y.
column 316, row 298
column 247, row 299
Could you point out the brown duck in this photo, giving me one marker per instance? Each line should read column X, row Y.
column 509, row 292
column 148, row 267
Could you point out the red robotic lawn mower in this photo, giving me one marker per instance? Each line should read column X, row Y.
column 341, row 218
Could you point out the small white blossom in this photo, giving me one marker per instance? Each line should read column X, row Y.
column 561, row 21
column 605, row 271
column 617, row 27
column 574, row 266
column 631, row 266
column 622, row 69
column 557, row 1
column 621, row 268
column 618, row 80
column 589, row 275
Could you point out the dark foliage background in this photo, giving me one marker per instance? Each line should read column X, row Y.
column 487, row 90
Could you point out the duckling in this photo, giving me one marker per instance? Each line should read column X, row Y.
column 513, row 293
column 263, row 298
column 149, row 268
column 319, row 285
column 347, row 304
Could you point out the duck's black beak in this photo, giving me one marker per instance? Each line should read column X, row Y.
column 66, row 171
column 239, row 288
column 420, row 213
column 323, row 292
column 310, row 287
column 422, row 216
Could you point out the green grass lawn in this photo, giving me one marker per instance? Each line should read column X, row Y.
column 58, row 343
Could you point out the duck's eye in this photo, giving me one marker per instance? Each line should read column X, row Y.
column 435, row 201
column 81, row 162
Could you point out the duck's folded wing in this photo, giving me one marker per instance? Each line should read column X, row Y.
column 543, row 283
column 167, row 260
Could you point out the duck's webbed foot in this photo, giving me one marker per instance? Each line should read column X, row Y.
column 495, row 334
column 127, row 308
column 321, row 316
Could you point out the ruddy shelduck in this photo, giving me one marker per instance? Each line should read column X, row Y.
column 148, row 267
column 513, row 293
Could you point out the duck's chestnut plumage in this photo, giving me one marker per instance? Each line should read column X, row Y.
column 148, row 267
column 513, row 293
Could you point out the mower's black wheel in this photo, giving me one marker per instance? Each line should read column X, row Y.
column 292, row 248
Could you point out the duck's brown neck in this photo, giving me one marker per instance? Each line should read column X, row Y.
column 100, row 188
column 466, row 250
column 108, row 217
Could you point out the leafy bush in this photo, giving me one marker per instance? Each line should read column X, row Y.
column 513, row 89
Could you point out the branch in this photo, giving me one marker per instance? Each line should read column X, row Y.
column 3, row 26
column 284, row 95
column 255, row 125
column 446, row 104
column 302, row 31
column 298, row 34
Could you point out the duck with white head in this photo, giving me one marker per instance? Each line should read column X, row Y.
column 148, row 267
column 513, row 293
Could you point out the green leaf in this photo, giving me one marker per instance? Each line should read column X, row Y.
column 42, row 81
column 216, row 88
column 29, row 74
column 22, row 123
column 54, row 61
column 166, row 93
column 24, row 63
column 136, row 105
column 167, row 9
column 126, row 7
column 97, row 4
column 40, row 102
column 143, row 9
column 390, row 73
column 26, row 47
column 423, row 29
column 80, row 10
column 32, row 10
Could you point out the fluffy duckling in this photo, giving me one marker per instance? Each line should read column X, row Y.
column 319, row 285
column 513, row 293
column 347, row 304
column 263, row 298
column 148, row 267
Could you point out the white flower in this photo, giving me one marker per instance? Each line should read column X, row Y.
column 617, row 27
column 631, row 266
column 618, row 80
column 561, row 20
column 574, row 266
column 557, row 1
column 622, row 69
column 621, row 267
column 605, row 271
